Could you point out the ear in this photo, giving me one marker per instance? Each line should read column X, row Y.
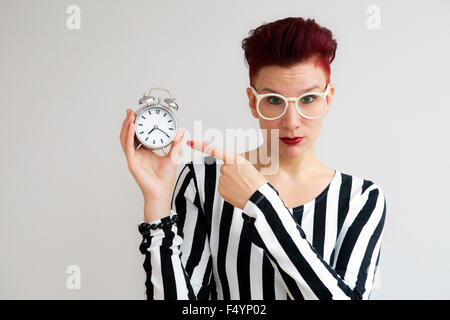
column 330, row 97
column 251, row 103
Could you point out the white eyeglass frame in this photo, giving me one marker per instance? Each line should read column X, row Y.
column 260, row 96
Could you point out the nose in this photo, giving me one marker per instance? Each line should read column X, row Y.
column 291, row 119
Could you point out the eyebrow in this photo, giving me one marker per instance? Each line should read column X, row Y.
column 306, row 90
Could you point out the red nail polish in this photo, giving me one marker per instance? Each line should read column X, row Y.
column 190, row 143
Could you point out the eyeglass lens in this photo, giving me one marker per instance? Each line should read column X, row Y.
column 311, row 105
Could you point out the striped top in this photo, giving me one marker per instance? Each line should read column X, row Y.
column 327, row 248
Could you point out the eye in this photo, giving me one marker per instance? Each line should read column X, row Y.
column 308, row 99
column 274, row 100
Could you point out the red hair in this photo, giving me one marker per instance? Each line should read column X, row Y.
column 289, row 41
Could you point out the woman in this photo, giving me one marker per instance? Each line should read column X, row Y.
column 305, row 232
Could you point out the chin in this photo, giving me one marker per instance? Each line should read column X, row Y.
column 291, row 152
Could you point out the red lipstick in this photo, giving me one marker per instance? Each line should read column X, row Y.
column 291, row 141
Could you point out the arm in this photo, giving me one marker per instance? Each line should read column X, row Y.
column 177, row 258
column 270, row 225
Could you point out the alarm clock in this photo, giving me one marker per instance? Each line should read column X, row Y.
column 156, row 123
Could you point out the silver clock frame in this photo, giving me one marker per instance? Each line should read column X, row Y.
column 148, row 102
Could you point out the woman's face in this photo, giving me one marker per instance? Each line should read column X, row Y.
column 291, row 82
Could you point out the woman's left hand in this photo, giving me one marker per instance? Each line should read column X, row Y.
column 239, row 178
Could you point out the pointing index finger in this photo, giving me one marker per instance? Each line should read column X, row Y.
column 227, row 157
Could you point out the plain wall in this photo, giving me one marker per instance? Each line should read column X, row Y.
column 67, row 197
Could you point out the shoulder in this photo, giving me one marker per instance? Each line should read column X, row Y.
column 197, row 181
column 204, row 168
column 363, row 203
column 200, row 174
column 360, row 188
column 359, row 184
column 197, row 167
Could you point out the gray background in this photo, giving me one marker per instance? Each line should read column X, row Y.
column 67, row 197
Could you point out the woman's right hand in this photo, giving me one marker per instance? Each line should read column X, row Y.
column 154, row 174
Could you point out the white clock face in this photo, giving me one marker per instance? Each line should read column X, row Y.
column 155, row 127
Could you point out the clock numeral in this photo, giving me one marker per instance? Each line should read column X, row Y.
column 162, row 141
column 169, row 121
column 157, row 111
column 141, row 132
column 170, row 128
column 153, row 141
column 164, row 114
column 149, row 112
column 140, row 124
column 146, row 139
column 144, row 117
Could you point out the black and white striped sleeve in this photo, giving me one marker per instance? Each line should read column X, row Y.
column 271, row 226
column 178, row 261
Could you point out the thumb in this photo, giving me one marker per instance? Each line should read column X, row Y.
column 176, row 146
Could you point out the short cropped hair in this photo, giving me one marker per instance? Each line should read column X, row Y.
column 289, row 41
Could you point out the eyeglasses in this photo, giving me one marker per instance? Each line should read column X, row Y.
column 310, row 105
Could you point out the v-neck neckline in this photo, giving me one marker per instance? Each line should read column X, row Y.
column 321, row 194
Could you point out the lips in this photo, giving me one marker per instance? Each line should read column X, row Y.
column 291, row 140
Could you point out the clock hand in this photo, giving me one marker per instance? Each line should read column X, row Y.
column 154, row 127
column 163, row 132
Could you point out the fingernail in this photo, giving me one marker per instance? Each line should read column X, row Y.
column 190, row 143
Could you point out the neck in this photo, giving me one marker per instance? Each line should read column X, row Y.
column 298, row 169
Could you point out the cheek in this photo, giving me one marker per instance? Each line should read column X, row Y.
column 267, row 126
column 313, row 129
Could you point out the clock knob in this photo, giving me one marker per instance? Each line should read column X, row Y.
column 148, row 100
column 171, row 103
